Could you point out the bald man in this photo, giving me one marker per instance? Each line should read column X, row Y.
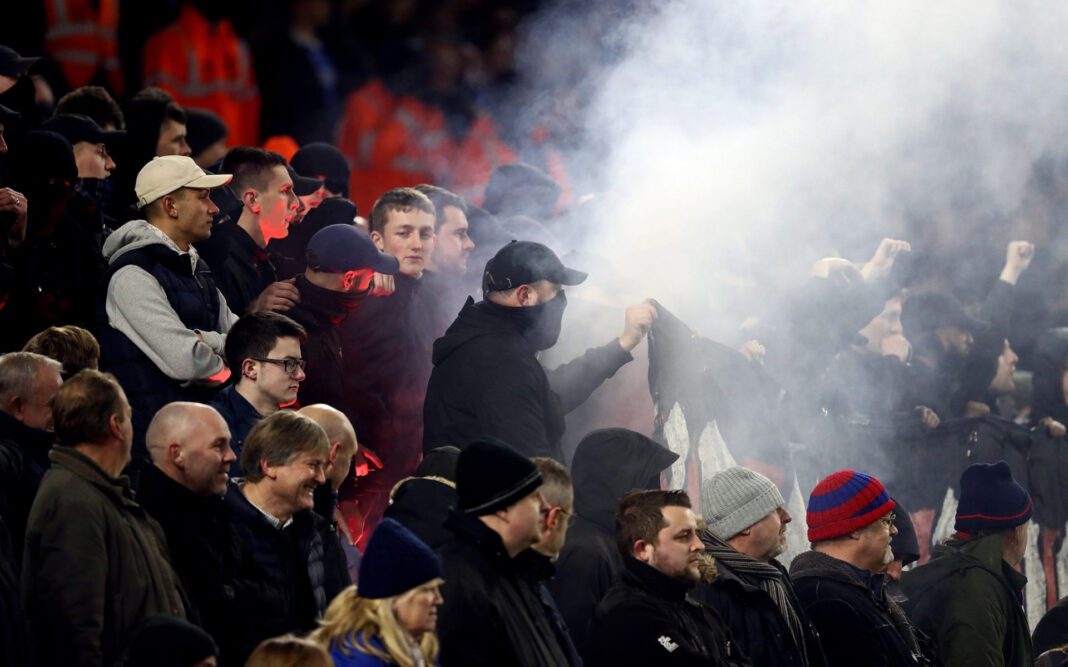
column 343, row 449
column 189, row 444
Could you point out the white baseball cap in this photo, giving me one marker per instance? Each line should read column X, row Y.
column 167, row 173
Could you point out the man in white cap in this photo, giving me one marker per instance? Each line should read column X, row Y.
column 163, row 322
column 746, row 530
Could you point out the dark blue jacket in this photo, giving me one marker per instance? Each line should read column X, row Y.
column 240, row 416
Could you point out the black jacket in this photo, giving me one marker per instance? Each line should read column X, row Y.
column 756, row 622
column 487, row 382
column 241, row 269
column 647, row 618
column 14, row 650
column 490, row 615
column 240, row 416
column 280, row 581
column 538, row 571
column 23, row 463
column 858, row 624
column 608, row 463
column 198, row 533
column 422, row 506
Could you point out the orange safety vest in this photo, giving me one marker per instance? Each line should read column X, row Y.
column 83, row 39
column 206, row 65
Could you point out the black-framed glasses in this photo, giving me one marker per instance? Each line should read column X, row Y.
column 571, row 516
column 290, row 366
column 889, row 520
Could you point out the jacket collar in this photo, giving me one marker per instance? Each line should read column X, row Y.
column 33, row 441
column 817, row 564
column 652, row 580
column 173, row 497
column 536, row 564
column 984, row 552
column 116, row 488
column 470, row 529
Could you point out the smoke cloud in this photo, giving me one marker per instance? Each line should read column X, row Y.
column 736, row 142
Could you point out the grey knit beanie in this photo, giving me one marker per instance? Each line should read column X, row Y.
column 736, row 498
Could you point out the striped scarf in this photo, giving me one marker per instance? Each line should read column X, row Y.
column 763, row 576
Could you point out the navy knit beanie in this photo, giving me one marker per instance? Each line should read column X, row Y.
column 396, row 562
column 492, row 476
column 990, row 499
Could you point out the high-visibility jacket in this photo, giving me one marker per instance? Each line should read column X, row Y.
column 81, row 36
column 473, row 158
column 206, row 65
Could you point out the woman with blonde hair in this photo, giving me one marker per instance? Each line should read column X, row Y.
column 391, row 619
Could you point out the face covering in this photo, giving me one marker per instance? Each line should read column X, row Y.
column 539, row 325
column 96, row 190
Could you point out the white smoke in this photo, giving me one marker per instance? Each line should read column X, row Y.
column 746, row 139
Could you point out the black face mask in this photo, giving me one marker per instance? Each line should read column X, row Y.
column 96, row 190
column 540, row 325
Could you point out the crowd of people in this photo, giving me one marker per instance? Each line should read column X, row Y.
column 242, row 423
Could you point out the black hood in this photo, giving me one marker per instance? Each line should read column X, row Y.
column 1051, row 354
column 610, row 462
column 474, row 320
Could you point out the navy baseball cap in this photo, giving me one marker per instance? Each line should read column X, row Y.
column 12, row 64
column 75, row 128
column 526, row 262
column 339, row 248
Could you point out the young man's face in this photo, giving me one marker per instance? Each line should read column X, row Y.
column 408, row 236
column 277, row 204
column 172, row 139
column 272, row 381
column 196, row 212
column 453, row 246
column 678, row 548
column 93, row 160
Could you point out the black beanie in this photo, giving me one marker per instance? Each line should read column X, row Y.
column 166, row 641
column 990, row 499
column 324, row 161
column 520, row 189
column 905, row 545
column 491, row 476
column 203, row 128
column 396, row 561
column 439, row 462
column 43, row 156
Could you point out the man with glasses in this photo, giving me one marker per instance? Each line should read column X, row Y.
column 264, row 356
column 841, row 583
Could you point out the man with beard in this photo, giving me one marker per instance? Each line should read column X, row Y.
column 487, row 379
column 840, row 583
column 746, row 531
column 447, row 272
column 648, row 617
column 967, row 598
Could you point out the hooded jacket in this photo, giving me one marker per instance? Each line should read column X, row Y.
column 163, row 322
column 857, row 623
column 95, row 565
column 968, row 599
column 491, row 616
column 608, row 463
column 647, row 618
column 487, row 382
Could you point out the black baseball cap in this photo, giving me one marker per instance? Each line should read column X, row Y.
column 302, row 185
column 339, row 248
column 75, row 128
column 12, row 64
column 526, row 262
column 8, row 115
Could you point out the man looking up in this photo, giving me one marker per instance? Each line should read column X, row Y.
column 237, row 251
column 840, row 583
column 491, row 615
column 487, row 379
column 648, row 618
column 183, row 490
column 163, row 322
column 746, row 531
column 263, row 353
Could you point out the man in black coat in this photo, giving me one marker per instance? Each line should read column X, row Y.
column 648, row 617
column 282, row 579
column 746, row 530
column 491, row 615
column 840, row 584
column 28, row 382
column 487, row 380
column 183, row 490
column 608, row 463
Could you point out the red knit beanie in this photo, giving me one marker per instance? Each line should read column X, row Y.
column 843, row 502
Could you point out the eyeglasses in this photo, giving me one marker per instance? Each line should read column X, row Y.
column 290, row 366
column 888, row 521
column 571, row 516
